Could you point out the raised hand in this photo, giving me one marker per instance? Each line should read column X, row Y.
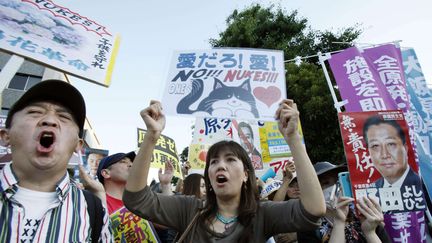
column 371, row 214
column 92, row 185
column 288, row 172
column 166, row 177
column 154, row 117
column 288, row 118
column 340, row 212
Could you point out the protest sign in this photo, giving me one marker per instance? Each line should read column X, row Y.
column 127, row 227
column 420, row 97
column 381, row 159
column 246, row 133
column 256, row 134
column 197, row 155
column 225, row 83
column 59, row 38
column 92, row 157
column 277, row 146
column 358, row 83
column 211, row 130
column 372, row 79
column 165, row 150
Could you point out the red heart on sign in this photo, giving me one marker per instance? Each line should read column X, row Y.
column 268, row 95
column 202, row 155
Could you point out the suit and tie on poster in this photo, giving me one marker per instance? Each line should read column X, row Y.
column 381, row 159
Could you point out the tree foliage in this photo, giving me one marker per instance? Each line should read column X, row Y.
column 184, row 155
column 273, row 28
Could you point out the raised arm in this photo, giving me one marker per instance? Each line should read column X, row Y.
column 166, row 177
column 288, row 174
column 311, row 195
column 155, row 122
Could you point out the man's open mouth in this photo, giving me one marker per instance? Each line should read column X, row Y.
column 46, row 140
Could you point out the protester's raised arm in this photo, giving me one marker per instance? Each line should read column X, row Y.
column 311, row 194
column 288, row 174
column 166, row 177
column 154, row 119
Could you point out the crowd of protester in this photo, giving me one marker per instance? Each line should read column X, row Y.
column 224, row 204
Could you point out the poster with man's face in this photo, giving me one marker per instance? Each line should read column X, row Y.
column 92, row 159
column 246, row 133
column 381, row 159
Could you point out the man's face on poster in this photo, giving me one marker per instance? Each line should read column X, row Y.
column 93, row 162
column 246, row 139
column 387, row 151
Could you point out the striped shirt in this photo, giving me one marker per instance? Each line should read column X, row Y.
column 67, row 220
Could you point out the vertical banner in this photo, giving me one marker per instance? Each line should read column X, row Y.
column 388, row 91
column 420, row 97
column 225, row 83
column 386, row 60
column 165, row 150
column 58, row 37
column 358, row 83
column 127, row 227
column 381, row 159
column 421, row 113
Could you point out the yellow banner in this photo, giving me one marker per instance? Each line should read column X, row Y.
column 165, row 150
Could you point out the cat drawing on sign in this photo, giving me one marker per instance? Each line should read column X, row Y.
column 223, row 101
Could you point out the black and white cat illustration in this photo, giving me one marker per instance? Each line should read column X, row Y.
column 222, row 101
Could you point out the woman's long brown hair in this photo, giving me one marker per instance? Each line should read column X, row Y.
column 192, row 185
column 249, row 194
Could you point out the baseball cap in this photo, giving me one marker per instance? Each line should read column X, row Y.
column 57, row 91
column 110, row 160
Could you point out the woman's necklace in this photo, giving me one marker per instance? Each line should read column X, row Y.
column 226, row 221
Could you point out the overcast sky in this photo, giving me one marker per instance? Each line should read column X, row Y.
column 151, row 30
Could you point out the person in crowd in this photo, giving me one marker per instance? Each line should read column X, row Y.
column 38, row 200
column 113, row 172
column 287, row 189
column 185, row 167
column 388, row 149
column 340, row 223
column 179, row 187
column 166, row 234
column 247, row 141
column 232, row 212
column 194, row 185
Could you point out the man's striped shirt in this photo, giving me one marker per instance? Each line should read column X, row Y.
column 67, row 220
